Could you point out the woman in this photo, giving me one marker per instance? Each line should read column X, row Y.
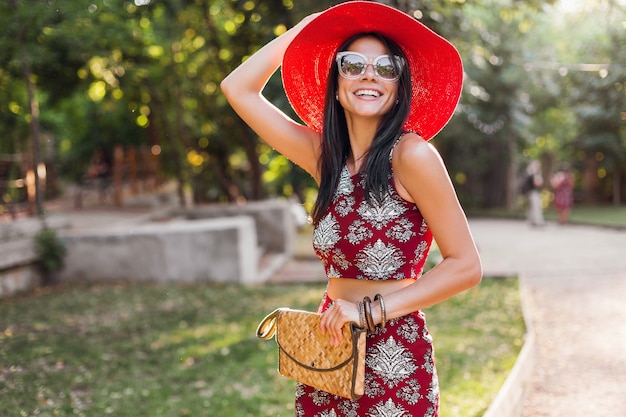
column 371, row 92
column 563, row 183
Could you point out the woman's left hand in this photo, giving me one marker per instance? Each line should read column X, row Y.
column 336, row 316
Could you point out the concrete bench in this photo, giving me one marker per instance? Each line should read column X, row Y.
column 18, row 270
column 215, row 250
column 18, row 260
column 218, row 243
column 274, row 221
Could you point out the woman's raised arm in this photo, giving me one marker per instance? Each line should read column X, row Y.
column 243, row 89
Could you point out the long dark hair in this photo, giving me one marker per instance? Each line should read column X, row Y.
column 336, row 146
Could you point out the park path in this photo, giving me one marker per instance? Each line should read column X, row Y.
column 574, row 284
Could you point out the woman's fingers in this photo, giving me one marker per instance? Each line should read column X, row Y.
column 335, row 317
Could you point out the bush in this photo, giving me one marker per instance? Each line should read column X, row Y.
column 50, row 251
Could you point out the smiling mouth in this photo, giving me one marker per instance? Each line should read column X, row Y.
column 367, row 93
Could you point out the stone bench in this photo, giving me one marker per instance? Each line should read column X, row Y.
column 18, row 260
column 18, row 270
column 274, row 221
column 218, row 243
column 214, row 250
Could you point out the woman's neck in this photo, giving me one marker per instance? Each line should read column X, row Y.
column 361, row 136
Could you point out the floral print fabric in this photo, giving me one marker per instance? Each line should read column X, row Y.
column 378, row 240
column 371, row 241
column 400, row 376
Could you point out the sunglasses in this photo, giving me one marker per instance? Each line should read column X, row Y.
column 353, row 65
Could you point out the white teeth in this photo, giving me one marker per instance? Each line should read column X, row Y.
column 372, row 93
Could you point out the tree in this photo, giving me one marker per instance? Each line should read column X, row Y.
column 483, row 141
column 579, row 95
column 146, row 73
column 599, row 105
column 24, row 26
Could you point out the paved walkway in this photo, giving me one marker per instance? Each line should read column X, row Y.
column 574, row 283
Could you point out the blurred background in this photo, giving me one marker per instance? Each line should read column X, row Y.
column 116, row 104
column 122, row 98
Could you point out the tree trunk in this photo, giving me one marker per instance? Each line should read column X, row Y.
column 617, row 186
column 512, row 180
column 34, row 123
column 249, row 144
column 175, row 154
column 496, row 180
column 590, row 179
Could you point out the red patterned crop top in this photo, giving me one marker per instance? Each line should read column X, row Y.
column 371, row 241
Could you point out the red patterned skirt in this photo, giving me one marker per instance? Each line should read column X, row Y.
column 400, row 376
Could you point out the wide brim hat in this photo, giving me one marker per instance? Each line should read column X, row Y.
column 435, row 65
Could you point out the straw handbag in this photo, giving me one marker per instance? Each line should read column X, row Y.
column 306, row 355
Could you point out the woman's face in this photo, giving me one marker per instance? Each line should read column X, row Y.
column 367, row 95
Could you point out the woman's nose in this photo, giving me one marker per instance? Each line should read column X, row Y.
column 370, row 72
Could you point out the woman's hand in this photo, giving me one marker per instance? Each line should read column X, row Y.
column 305, row 21
column 336, row 316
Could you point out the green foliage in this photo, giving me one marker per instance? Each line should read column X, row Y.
column 491, row 119
column 50, row 250
column 578, row 91
column 167, row 350
column 148, row 73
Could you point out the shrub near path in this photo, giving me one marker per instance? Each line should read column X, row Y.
column 146, row 350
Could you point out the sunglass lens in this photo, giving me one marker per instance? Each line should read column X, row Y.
column 386, row 68
column 352, row 65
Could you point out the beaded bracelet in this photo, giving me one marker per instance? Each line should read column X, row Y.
column 383, row 310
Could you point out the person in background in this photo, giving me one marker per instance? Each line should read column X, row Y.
column 563, row 184
column 533, row 183
column 372, row 86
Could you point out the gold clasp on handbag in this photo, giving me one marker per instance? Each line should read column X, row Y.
column 267, row 327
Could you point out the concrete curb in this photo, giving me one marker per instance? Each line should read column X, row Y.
column 509, row 400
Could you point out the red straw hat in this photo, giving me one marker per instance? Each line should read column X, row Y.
column 435, row 65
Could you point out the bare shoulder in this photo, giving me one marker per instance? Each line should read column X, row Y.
column 419, row 171
column 413, row 155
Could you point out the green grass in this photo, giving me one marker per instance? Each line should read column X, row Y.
column 604, row 215
column 133, row 350
column 608, row 216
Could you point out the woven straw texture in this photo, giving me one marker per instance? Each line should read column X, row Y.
column 306, row 355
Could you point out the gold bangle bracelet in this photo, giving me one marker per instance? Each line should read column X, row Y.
column 383, row 310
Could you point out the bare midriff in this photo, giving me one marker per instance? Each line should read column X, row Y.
column 356, row 289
